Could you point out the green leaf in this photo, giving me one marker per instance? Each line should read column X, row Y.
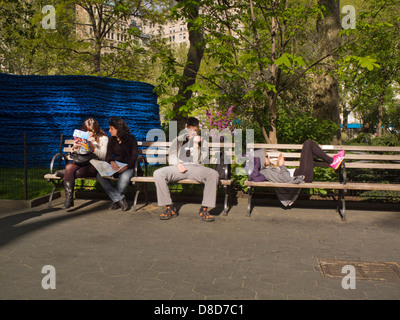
column 283, row 59
column 369, row 63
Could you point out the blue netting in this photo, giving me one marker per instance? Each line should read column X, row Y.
column 46, row 106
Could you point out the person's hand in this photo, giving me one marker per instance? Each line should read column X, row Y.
column 267, row 161
column 181, row 168
column 196, row 139
column 76, row 145
column 114, row 166
column 281, row 160
column 123, row 169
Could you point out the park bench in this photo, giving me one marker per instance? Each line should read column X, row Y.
column 378, row 161
column 150, row 153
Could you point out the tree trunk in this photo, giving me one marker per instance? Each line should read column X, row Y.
column 272, row 96
column 345, row 116
column 326, row 87
column 192, row 66
column 97, row 58
column 380, row 113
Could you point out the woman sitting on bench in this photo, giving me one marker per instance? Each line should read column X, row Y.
column 98, row 141
column 122, row 147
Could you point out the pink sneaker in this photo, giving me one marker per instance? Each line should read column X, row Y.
column 337, row 160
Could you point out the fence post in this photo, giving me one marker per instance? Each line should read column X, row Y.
column 25, row 169
column 60, row 150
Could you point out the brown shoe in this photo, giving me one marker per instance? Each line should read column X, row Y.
column 123, row 204
column 205, row 216
column 169, row 213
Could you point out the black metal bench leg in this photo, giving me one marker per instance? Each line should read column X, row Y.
column 226, row 200
column 51, row 196
column 146, row 195
column 341, row 206
column 138, row 190
column 249, row 202
column 135, row 199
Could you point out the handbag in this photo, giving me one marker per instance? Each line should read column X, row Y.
column 82, row 159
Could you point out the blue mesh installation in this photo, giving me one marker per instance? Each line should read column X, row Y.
column 46, row 106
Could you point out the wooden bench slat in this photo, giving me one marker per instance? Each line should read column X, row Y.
column 357, row 165
column 315, row 184
column 372, row 186
column 184, row 181
column 328, row 185
column 348, row 156
column 324, row 147
column 370, row 165
column 225, row 145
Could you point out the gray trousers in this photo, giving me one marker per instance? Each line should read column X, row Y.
column 209, row 177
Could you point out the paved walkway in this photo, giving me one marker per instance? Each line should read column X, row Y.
column 101, row 254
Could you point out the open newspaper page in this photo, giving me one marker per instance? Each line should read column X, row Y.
column 105, row 169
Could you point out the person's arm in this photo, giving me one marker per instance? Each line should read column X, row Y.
column 109, row 154
column 202, row 156
column 100, row 149
column 173, row 158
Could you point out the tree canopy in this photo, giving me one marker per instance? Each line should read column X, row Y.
column 274, row 61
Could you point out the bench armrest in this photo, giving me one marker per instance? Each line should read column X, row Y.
column 139, row 160
column 224, row 171
column 227, row 171
column 55, row 157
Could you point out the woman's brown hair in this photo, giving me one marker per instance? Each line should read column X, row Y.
column 92, row 124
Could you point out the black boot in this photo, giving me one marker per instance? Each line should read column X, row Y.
column 69, row 194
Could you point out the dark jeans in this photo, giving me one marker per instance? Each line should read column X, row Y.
column 308, row 152
column 73, row 171
column 116, row 193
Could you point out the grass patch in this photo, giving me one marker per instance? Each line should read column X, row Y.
column 12, row 185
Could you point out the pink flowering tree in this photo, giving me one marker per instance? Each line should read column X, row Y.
column 220, row 120
column 220, row 124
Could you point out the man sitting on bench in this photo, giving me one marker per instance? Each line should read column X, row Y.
column 185, row 162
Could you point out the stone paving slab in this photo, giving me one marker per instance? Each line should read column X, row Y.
column 100, row 254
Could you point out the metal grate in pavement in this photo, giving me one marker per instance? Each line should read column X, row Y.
column 368, row 270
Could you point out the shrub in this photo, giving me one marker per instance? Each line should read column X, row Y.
column 296, row 130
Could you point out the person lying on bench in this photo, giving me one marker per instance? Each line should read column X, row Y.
column 280, row 173
column 185, row 160
column 304, row 173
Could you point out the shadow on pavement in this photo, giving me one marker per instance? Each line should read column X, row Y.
column 11, row 230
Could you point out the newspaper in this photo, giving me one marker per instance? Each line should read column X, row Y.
column 82, row 137
column 105, row 169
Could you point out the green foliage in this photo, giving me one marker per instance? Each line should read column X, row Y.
column 239, row 177
column 386, row 140
column 369, row 68
column 363, row 62
column 289, row 63
column 303, row 126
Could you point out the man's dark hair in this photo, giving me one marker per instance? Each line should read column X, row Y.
column 192, row 122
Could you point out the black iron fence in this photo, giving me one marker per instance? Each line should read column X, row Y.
column 23, row 166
